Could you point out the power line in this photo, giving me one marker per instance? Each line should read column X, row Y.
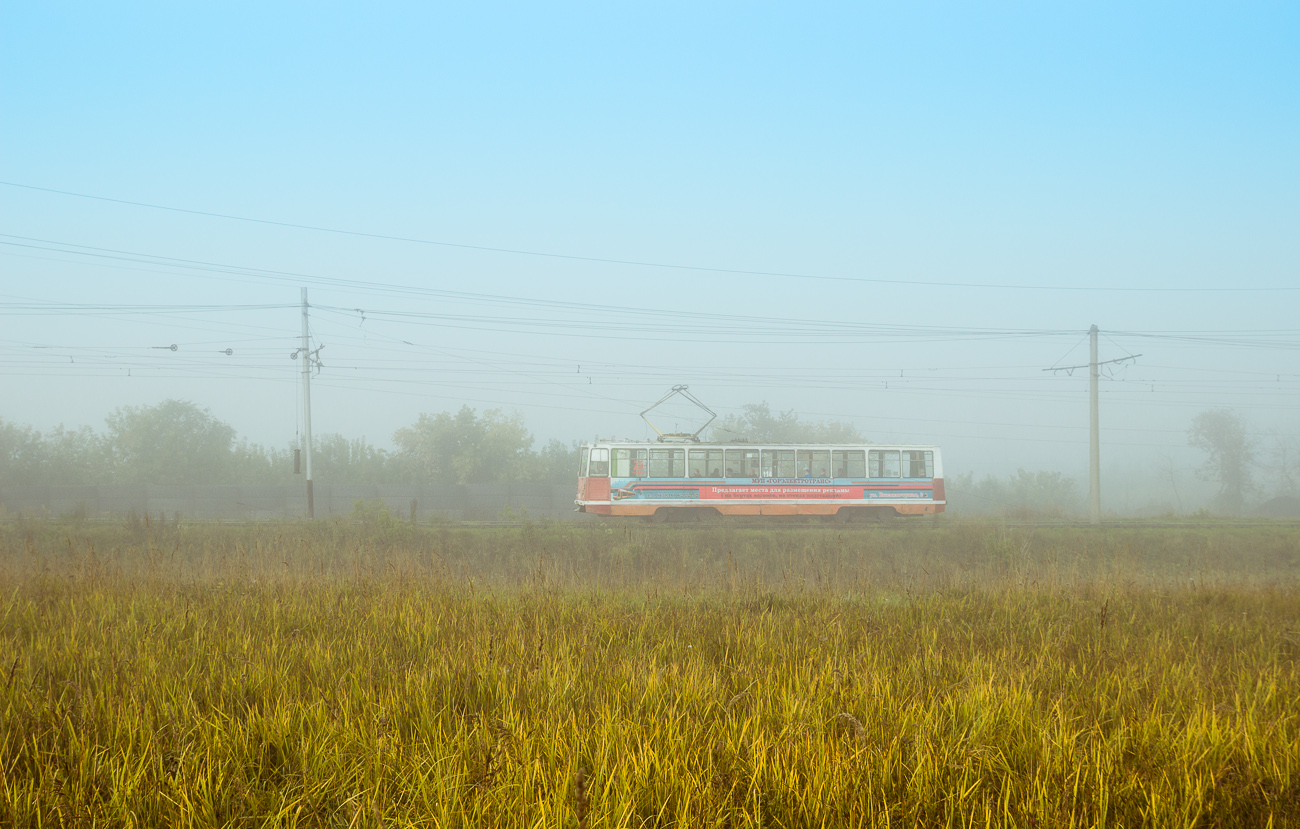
column 647, row 263
column 636, row 313
column 1235, row 338
column 76, row 308
column 806, row 379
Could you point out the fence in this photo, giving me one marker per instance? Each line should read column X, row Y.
column 468, row 502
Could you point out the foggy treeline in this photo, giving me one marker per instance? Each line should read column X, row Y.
column 178, row 442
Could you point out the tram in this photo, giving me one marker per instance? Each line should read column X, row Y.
column 844, row 481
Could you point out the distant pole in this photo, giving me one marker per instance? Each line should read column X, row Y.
column 306, row 399
column 1094, row 438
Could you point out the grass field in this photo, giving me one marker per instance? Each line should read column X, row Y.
column 934, row 674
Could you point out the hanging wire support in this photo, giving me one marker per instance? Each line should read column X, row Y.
column 1070, row 369
column 691, row 436
column 313, row 357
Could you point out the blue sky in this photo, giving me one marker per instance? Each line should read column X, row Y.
column 923, row 146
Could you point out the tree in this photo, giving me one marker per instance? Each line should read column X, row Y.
column 757, row 424
column 1230, row 456
column 62, row 456
column 252, row 463
column 335, row 458
column 1044, row 493
column 558, row 462
column 1280, row 466
column 466, row 449
column 77, row 456
column 174, row 442
column 1024, row 494
column 22, row 455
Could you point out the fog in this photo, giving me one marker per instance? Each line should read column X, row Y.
column 883, row 217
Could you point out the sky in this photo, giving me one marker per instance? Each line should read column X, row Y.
column 895, row 215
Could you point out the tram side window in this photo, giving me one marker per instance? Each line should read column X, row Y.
column 814, row 463
column 883, row 463
column 599, row 467
column 629, row 463
column 667, row 463
column 704, row 463
column 741, row 463
column 661, row 463
column 697, row 463
column 918, row 463
column 778, row 463
column 582, row 465
column 849, row 463
column 715, row 462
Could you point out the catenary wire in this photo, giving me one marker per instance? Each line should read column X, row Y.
column 647, row 263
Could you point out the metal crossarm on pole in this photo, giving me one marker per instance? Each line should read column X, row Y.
column 1094, row 429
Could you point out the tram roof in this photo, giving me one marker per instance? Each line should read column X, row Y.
column 710, row 444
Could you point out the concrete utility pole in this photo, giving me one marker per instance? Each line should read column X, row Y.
column 1094, row 431
column 305, row 353
column 1094, row 436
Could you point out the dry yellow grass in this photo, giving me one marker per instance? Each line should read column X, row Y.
column 964, row 675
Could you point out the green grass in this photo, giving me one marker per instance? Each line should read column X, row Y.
column 937, row 675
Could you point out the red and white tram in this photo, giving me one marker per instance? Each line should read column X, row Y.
column 664, row 481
